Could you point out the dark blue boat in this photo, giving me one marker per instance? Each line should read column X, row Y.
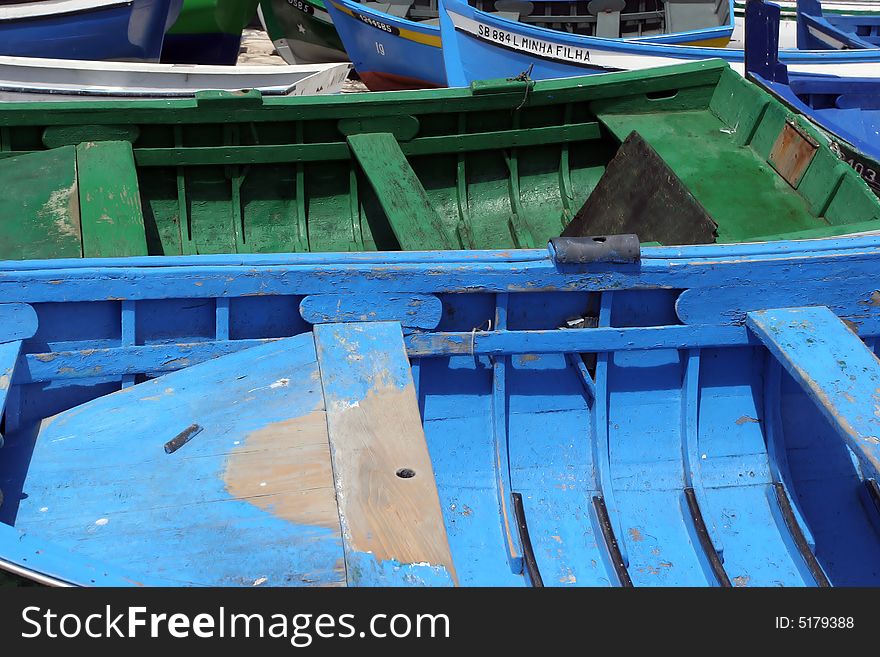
column 124, row 30
column 846, row 106
column 816, row 31
column 591, row 415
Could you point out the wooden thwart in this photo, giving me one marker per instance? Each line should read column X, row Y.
column 412, row 216
column 389, row 508
column 839, row 373
column 110, row 203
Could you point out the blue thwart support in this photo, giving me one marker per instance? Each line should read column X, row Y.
column 835, row 368
column 762, row 41
column 19, row 322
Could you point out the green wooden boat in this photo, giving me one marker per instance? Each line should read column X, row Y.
column 208, row 31
column 302, row 31
column 502, row 164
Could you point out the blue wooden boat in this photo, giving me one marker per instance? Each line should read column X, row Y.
column 592, row 414
column 788, row 37
column 389, row 51
column 125, row 30
column 397, row 45
column 478, row 45
column 847, row 107
column 816, row 31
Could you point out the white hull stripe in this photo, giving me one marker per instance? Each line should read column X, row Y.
column 49, row 8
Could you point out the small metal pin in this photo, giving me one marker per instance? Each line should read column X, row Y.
column 182, row 438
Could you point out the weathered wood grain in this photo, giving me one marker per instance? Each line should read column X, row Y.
column 41, row 218
column 388, row 501
column 411, row 310
column 19, row 321
column 415, row 222
column 249, row 500
column 109, row 199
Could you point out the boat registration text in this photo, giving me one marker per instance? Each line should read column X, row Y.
column 533, row 46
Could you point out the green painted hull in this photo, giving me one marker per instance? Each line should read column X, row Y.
column 214, row 16
column 500, row 165
column 302, row 31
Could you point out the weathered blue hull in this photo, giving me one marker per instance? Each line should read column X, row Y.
column 591, row 416
column 388, row 53
column 130, row 30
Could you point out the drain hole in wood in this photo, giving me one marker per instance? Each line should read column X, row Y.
column 406, row 473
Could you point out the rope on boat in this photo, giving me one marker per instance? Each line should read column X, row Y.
column 474, row 337
column 525, row 76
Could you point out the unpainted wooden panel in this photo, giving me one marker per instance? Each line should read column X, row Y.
column 387, row 496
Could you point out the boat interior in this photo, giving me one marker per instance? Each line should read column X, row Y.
column 851, row 103
column 307, row 178
column 639, row 425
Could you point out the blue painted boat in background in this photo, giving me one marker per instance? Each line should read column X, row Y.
column 390, row 50
column 816, row 31
column 847, row 107
column 478, row 46
column 589, row 415
column 123, row 30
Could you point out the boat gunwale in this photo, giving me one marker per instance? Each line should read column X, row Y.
column 690, row 74
column 641, row 48
column 657, row 257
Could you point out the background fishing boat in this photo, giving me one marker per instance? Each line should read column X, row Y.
column 664, row 417
column 397, row 45
column 815, row 31
column 388, row 50
column 208, row 31
column 302, row 31
column 846, row 107
column 788, row 18
column 35, row 79
column 505, row 164
column 479, row 45
column 130, row 30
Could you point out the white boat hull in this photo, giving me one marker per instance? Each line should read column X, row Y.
column 33, row 79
